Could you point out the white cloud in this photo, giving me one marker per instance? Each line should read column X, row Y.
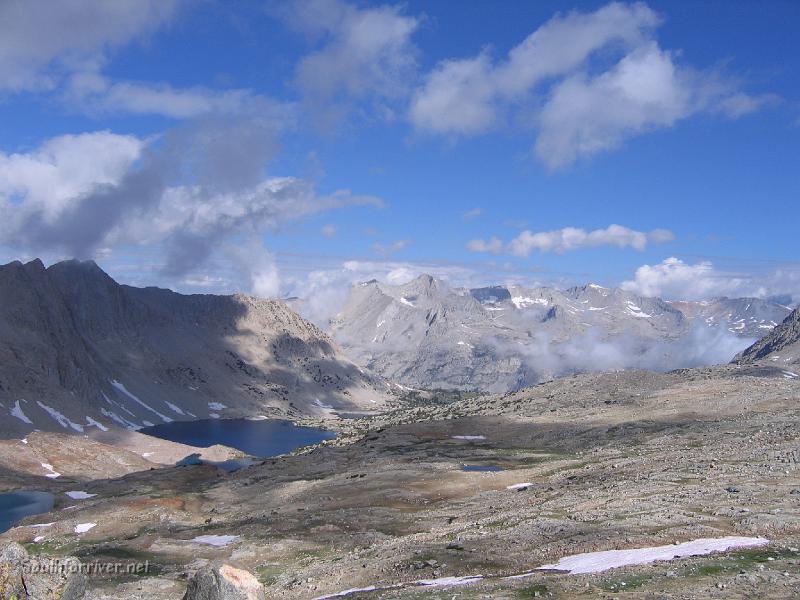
column 676, row 279
column 592, row 351
column 673, row 278
column 468, row 96
column 572, row 238
column 78, row 194
column 90, row 91
column 363, row 53
column 738, row 104
column 190, row 214
column 492, row 246
column 257, row 266
column 64, row 46
column 458, row 97
column 328, row 230
column 587, row 81
column 472, row 214
column 583, row 116
column 62, row 169
column 387, row 250
column 40, row 41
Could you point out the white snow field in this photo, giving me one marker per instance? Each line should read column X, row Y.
column 596, row 562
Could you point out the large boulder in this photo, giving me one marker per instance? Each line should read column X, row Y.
column 39, row 578
column 12, row 564
column 224, row 582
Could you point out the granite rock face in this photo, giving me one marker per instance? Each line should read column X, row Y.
column 781, row 345
column 78, row 352
column 223, row 582
column 426, row 334
column 39, row 578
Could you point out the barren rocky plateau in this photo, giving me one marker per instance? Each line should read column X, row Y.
column 610, row 461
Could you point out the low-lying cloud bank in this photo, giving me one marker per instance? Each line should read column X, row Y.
column 591, row 352
column 675, row 279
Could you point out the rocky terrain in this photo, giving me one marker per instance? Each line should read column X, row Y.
column 781, row 346
column 427, row 494
column 613, row 461
column 425, row 334
column 80, row 353
column 66, row 459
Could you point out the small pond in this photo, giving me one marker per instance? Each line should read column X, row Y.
column 490, row 468
column 15, row 506
column 257, row 438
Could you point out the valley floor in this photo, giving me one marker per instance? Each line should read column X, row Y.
column 612, row 461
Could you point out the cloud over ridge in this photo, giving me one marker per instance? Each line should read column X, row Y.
column 568, row 239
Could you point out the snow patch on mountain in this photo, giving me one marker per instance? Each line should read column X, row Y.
column 17, row 412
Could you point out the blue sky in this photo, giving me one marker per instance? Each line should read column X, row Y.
column 296, row 147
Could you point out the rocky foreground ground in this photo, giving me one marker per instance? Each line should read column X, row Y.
column 612, row 461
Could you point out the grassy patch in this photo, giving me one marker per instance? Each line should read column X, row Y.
column 537, row 590
column 625, row 583
column 51, row 548
column 268, row 574
column 740, row 560
column 313, row 554
column 709, row 570
column 765, row 554
column 106, row 553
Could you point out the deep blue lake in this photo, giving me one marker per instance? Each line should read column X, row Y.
column 15, row 506
column 258, row 438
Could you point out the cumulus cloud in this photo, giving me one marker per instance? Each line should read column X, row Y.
column 585, row 115
column 675, row 279
column 467, row 96
column 572, row 238
column 41, row 41
column 362, row 54
column 188, row 193
column 257, row 267
column 63, row 168
column 562, row 80
column 492, row 245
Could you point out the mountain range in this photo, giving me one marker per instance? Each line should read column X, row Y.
column 427, row 334
column 80, row 352
column 781, row 345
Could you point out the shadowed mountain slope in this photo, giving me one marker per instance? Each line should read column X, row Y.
column 79, row 351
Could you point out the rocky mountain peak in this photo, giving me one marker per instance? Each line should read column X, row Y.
column 781, row 345
column 497, row 338
column 78, row 350
column 425, row 285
